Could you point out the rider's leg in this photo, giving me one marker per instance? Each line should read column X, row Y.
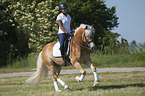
column 66, row 48
column 62, row 38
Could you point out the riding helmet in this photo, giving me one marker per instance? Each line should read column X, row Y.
column 63, row 5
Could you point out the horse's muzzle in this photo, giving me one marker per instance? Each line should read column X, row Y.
column 92, row 45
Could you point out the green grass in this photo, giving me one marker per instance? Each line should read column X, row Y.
column 111, row 84
column 98, row 59
column 118, row 60
column 24, row 64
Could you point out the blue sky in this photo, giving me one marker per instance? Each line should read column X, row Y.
column 131, row 15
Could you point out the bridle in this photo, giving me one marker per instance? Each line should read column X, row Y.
column 83, row 44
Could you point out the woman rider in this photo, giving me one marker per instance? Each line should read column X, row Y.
column 64, row 22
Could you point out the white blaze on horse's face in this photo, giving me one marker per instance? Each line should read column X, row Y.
column 89, row 35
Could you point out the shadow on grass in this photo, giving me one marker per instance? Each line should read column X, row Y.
column 79, row 89
column 116, row 86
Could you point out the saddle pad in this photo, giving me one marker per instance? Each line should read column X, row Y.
column 56, row 50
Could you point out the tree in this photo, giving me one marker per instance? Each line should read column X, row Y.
column 35, row 19
column 95, row 12
column 10, row 39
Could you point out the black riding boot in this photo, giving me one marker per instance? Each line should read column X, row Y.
column 65, row 51
column 63, row 57
column 68, row 59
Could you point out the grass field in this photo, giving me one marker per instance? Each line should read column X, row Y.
column 111, row 84
column 99, row 60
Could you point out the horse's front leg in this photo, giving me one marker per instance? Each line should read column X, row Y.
column 96, row 82
column 79, row 67
column 89, row 64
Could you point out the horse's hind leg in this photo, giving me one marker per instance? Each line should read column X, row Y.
column 79, row 67
column 89, row 64
column 55, row 73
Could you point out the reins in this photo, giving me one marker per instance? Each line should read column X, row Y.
column 77, row 42
column 82, row 44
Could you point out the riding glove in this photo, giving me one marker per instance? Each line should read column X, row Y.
column 70, row 34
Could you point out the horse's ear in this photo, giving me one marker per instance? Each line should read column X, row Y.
column 86, row 27
column 92, row 26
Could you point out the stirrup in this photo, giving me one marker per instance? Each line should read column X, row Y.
column 67, row 58
column 63, row 63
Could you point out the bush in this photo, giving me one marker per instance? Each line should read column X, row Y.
column 37, row 21
column 138, row 56
column 25, row 62
column 14, row 44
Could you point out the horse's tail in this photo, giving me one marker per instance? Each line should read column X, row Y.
column 40, row 74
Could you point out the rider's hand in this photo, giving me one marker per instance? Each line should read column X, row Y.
column 70, row 34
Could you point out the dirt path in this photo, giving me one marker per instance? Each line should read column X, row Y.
column 73, row 71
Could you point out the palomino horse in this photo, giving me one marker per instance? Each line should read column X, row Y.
column 80, row 47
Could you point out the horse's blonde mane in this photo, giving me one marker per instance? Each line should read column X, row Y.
column 84, row 26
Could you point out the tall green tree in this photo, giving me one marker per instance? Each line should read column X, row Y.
column 89, row 12
column 35, row 19
column 10, row 39
column 95, row 12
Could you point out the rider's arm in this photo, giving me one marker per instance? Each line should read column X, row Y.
column 59, row 22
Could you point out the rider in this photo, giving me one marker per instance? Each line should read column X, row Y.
column 64, row 22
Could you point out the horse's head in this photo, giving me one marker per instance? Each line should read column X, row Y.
column 89, row 36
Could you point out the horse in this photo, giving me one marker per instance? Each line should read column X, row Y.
column 80, row 46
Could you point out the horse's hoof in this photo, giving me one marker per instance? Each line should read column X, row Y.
column 66, row 88
column 96, row 83
column 77, row 79
column 58, row 91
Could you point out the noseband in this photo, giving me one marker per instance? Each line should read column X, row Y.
column 83, row 44
column 87, row 40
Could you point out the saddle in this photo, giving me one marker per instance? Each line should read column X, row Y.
column 56, row 49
